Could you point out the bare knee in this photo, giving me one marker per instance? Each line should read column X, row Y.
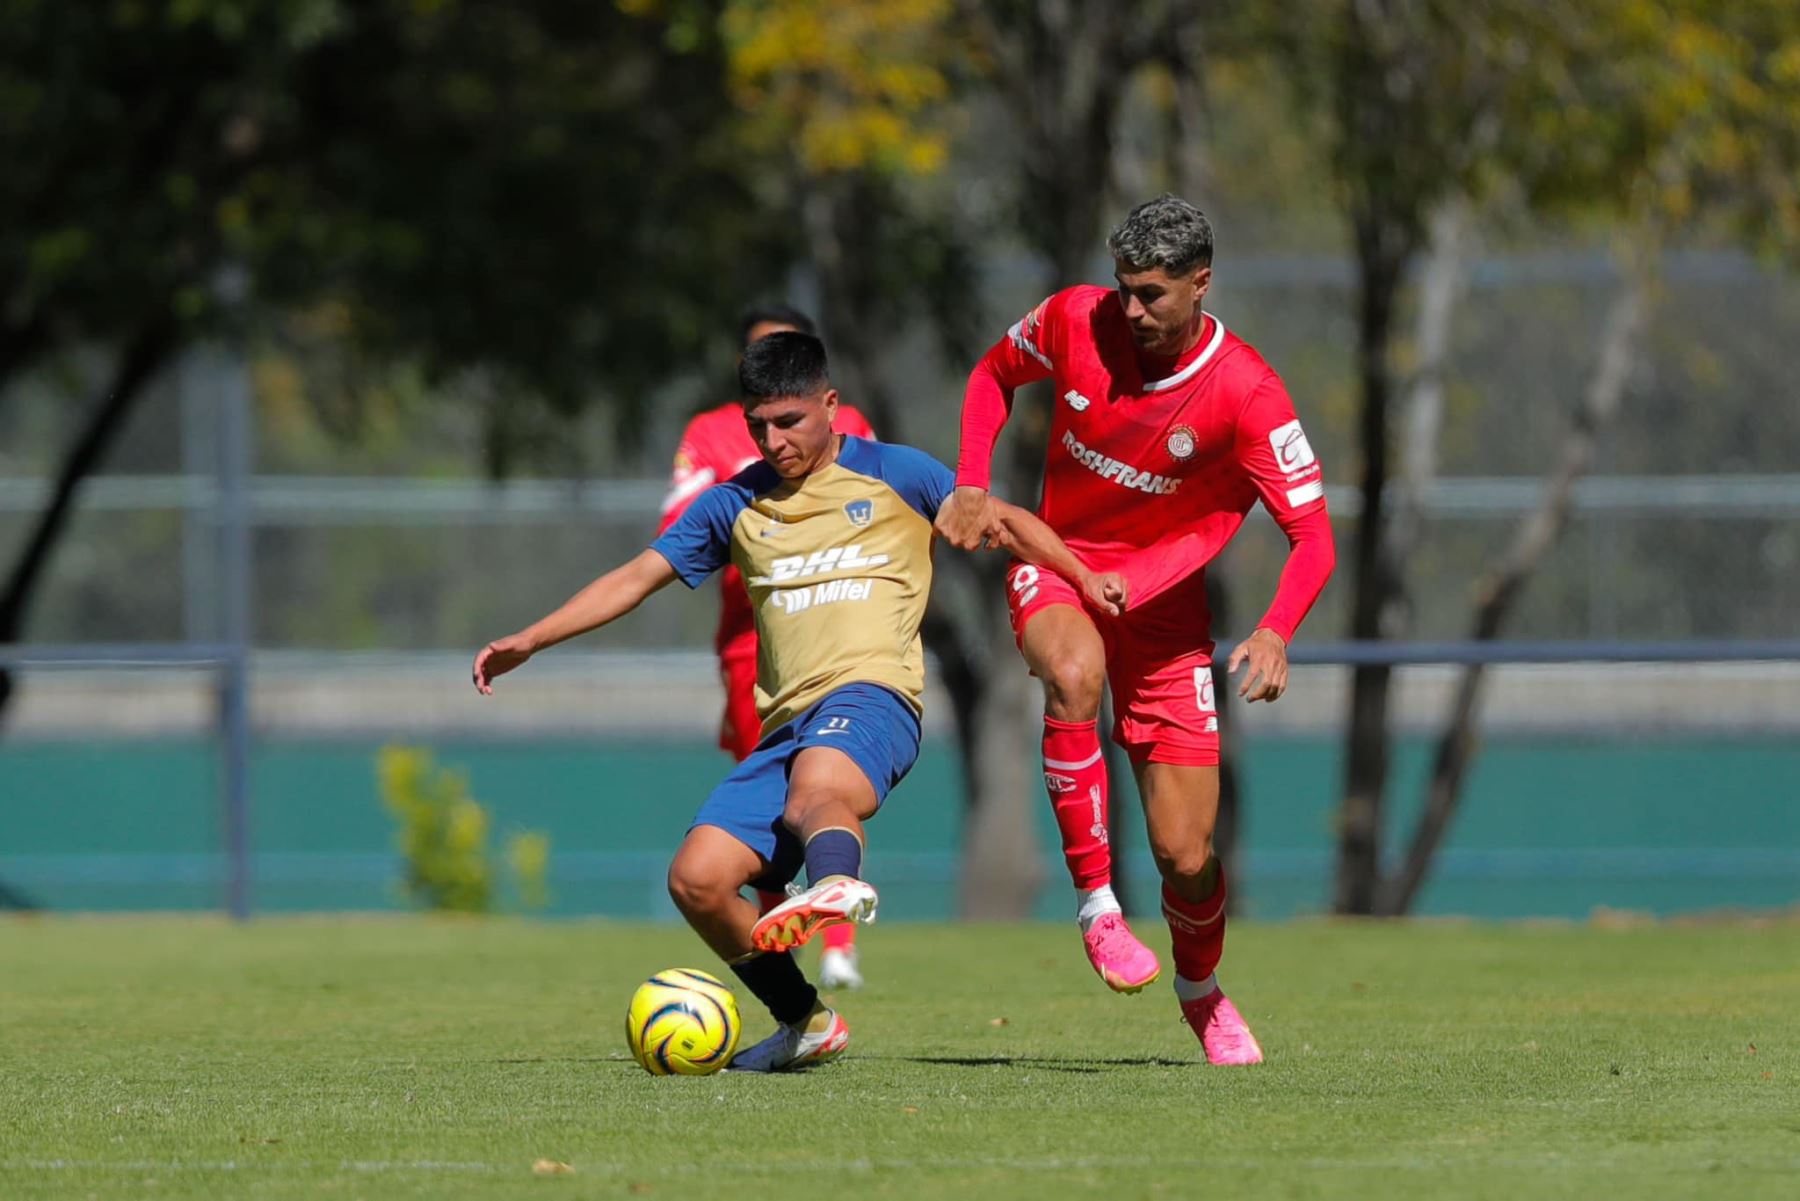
column 695, row 889
column 1183, row 864
column 799, row 808
column 1072, row 686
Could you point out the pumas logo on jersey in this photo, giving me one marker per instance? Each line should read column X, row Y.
column 1292, row 450
column 1181, row 443
column 860, row 512
column 1077, row 401
column 820, row 562
column 1123, row 474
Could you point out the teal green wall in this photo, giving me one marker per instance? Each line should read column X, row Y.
column 1549, row 827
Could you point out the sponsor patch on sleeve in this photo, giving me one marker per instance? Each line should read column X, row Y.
column 1292, row 451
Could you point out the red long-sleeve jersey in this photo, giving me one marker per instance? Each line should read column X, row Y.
column 715, row 446
column 1153, row 464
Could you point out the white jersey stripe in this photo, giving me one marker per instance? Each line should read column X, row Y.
column 693, row 485
column 1017, row 334
column 1304, row 493
column 1061, row 765
column 1187, row 373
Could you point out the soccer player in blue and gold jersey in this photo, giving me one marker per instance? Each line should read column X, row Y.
column 833, row 535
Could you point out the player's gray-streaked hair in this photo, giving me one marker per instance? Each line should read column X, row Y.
column 1167, row 232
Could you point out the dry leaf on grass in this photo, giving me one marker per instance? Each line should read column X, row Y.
column 551, row 1167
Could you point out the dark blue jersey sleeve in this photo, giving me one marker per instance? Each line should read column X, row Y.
column 699, row 543
column 921, row 480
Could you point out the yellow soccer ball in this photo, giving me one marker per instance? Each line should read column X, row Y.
column 682, row 1022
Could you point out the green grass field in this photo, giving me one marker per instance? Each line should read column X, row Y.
column 150, row 1057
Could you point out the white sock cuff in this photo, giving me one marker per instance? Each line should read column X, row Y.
column 1093, row 903
column 1193, row 990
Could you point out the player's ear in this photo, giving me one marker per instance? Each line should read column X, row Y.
column 831, row 403
column 1202, row 281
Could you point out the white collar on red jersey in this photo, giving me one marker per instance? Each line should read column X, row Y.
column 1187, row 373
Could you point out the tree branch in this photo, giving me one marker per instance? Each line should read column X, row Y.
column 1500, row 591
column 138, row 362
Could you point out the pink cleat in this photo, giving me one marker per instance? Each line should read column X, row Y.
column 1222, row 1029
column 1126, row 964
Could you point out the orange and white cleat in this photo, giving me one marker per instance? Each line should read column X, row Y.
column 1222, row 1029
column 1126, row 964
column 792, row 1049
column 793, row 922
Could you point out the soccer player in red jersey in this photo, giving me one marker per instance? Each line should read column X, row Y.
column 1167, row 428
column 715, row 446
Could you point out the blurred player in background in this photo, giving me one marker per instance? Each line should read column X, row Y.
column 834, row 537
column 714, row 447
column 1167, row 428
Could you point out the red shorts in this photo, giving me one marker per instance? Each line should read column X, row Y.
column 740, row 729
column 1158, row 663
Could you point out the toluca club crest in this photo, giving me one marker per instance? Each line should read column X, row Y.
column 1181, row 444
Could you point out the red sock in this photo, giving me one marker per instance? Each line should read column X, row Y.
column 1075, row 776
column 1198, row 931
column 766, row 900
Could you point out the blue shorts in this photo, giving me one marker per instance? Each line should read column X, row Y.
column 867, row 722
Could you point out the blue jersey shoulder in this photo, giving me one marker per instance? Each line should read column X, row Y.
column 699, row 543
column 921, row 480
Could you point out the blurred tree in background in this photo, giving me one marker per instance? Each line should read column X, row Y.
column 451, row 185
column 529, row 215
column 1651, row 118
column 1060, row 73
column 127, row 131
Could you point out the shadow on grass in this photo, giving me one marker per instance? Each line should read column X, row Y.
column 1035, row 1063
column 1083, row 1065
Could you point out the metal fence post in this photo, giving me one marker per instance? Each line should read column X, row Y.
column 236, row 563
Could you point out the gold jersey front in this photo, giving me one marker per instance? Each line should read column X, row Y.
column 838, row 566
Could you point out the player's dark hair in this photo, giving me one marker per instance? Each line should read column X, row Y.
column 774, row 314
column 1167, row 232
column 783, row 364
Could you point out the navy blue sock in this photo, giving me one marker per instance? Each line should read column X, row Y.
column 834, row 852
column 777, row 981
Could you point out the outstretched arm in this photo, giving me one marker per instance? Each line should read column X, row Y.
column 607, row 599
column 967, row 520
column 1026, row 535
